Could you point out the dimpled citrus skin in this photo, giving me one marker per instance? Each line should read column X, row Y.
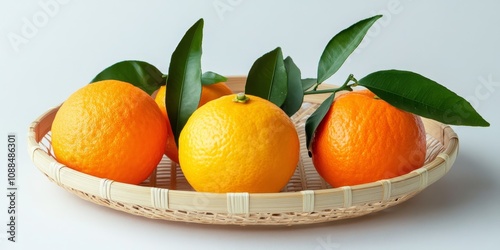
column 208, row 93
column 110, row 129
column 364, row 139
column 238, row 147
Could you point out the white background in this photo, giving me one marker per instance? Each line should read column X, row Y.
column 453, row 42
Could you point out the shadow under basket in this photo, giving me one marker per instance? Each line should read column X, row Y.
column 306, row 199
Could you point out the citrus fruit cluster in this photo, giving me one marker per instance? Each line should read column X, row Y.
column 118, row 126
column 236, row 143
column 112, row 129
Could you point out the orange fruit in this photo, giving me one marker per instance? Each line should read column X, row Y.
column 364, row 139
column 213, row 91
column 110, row 129
column 238, row 146
column 208, row 93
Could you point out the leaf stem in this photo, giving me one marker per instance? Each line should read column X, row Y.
column 313, row 92
column 315, row 86
column 164, row 78
column 352, row 78
column 345, row 86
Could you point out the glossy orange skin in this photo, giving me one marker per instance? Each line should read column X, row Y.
column 110, row 129
column 364, row 139
column 228, row 146
column 208, row 93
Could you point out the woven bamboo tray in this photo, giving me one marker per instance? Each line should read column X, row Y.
column 306, row 199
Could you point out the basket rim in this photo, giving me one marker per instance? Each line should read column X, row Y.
column 305, row 201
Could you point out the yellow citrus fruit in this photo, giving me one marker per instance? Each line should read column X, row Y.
column 110, row 129
column 238, row 146
column 364, row 139
column 208, row 93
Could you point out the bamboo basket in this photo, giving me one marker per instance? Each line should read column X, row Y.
column 306, row 199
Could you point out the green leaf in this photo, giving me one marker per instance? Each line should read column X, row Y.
column 267, row 78
column 315, row 119
column 341, row 46
column 295, row 94
column 184, row 79
column 307, row 83
column 140, row 74
column 210, row 77
column 419, row 95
